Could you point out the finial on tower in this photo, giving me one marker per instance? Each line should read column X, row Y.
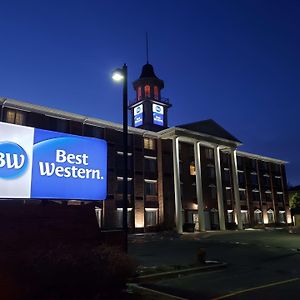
column 147, row 46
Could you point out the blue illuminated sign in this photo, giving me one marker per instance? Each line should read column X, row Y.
column 51, row 165
column 158, row 114
column 138, row 115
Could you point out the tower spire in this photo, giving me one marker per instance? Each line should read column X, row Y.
column 147, row 46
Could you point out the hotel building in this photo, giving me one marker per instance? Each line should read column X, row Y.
column 181, row 177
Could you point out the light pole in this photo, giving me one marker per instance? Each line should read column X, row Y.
column 121, row 75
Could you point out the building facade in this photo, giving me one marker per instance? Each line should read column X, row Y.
column 190, row 174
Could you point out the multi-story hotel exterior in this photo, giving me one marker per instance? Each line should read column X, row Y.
column 187, row 174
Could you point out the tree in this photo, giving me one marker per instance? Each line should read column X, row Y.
column 294, row 202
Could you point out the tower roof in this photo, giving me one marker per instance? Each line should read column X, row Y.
column 148, row 72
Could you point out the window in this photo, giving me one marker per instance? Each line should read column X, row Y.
column 258, row 216
column 255, row 195
column 149, row 143
column 280, row 197
column 120, row 161
column 211, row 171
column 119, row 217
column 213, row 192
column 242, row 195
column 278, row 181
column 254, row 179
column 230, row 216
column 151, row 217
column 120, row 185
column 270, row 215
column 147, row 90
column 241, row 177
column 268, row 196
column 15, row 117
column 228, row 194
column 240, row 162
column 192, row 168
column 93, row 131
column 155, row 92
column 282, row 216
column 150, row 164
column 253, row 164
column 266, row 180
column 209, row 153
column 151, row 187
column 227, row 176
column 244, row 215
column 139, row 96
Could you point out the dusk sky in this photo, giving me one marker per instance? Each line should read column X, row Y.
column 237, row 62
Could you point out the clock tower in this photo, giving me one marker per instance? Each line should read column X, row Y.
column 149, row 110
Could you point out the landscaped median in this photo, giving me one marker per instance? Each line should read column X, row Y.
column 146, row 274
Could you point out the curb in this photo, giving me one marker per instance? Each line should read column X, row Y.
column 151, row 277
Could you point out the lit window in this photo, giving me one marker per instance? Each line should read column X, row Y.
column 192, row 168
column 155, row 92
column 149, row 143
column 119, row 217
column 244, row 216
column 139, row 93
column 270, row 215
column 147, row 90
column 258, row 216
column 151, row 216
column 282, row 216
column 15, row 117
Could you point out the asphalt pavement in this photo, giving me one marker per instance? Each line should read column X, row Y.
column 261, row 263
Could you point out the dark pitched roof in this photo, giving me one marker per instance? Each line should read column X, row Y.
column 210, row 127
column 147, row 72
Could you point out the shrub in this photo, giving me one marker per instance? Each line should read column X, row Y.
column 75, row 272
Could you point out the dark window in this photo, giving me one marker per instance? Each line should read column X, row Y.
column 241, row 177
column 280, row 198
column 240, row 162
column 242, row 195
column 254, row 179
column 227, row 176
column 228, row 194
column 120, row 186
column 253, row 164
column 266, row 180
column 93, row 131
column 209, row 153
column 211, row 172
column 268, row 197
column 213, row 192
column 255, row 196
column 150, row 164
column 75, row 127
column 151, row 188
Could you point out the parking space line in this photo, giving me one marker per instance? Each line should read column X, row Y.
column 257, row 288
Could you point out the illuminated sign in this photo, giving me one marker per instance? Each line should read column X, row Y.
column 138, row 115
column 43, row 164
column 158, row 114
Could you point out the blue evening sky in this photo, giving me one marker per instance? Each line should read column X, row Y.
column 236, row 62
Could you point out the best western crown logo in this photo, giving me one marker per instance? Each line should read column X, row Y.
column 13, row 160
